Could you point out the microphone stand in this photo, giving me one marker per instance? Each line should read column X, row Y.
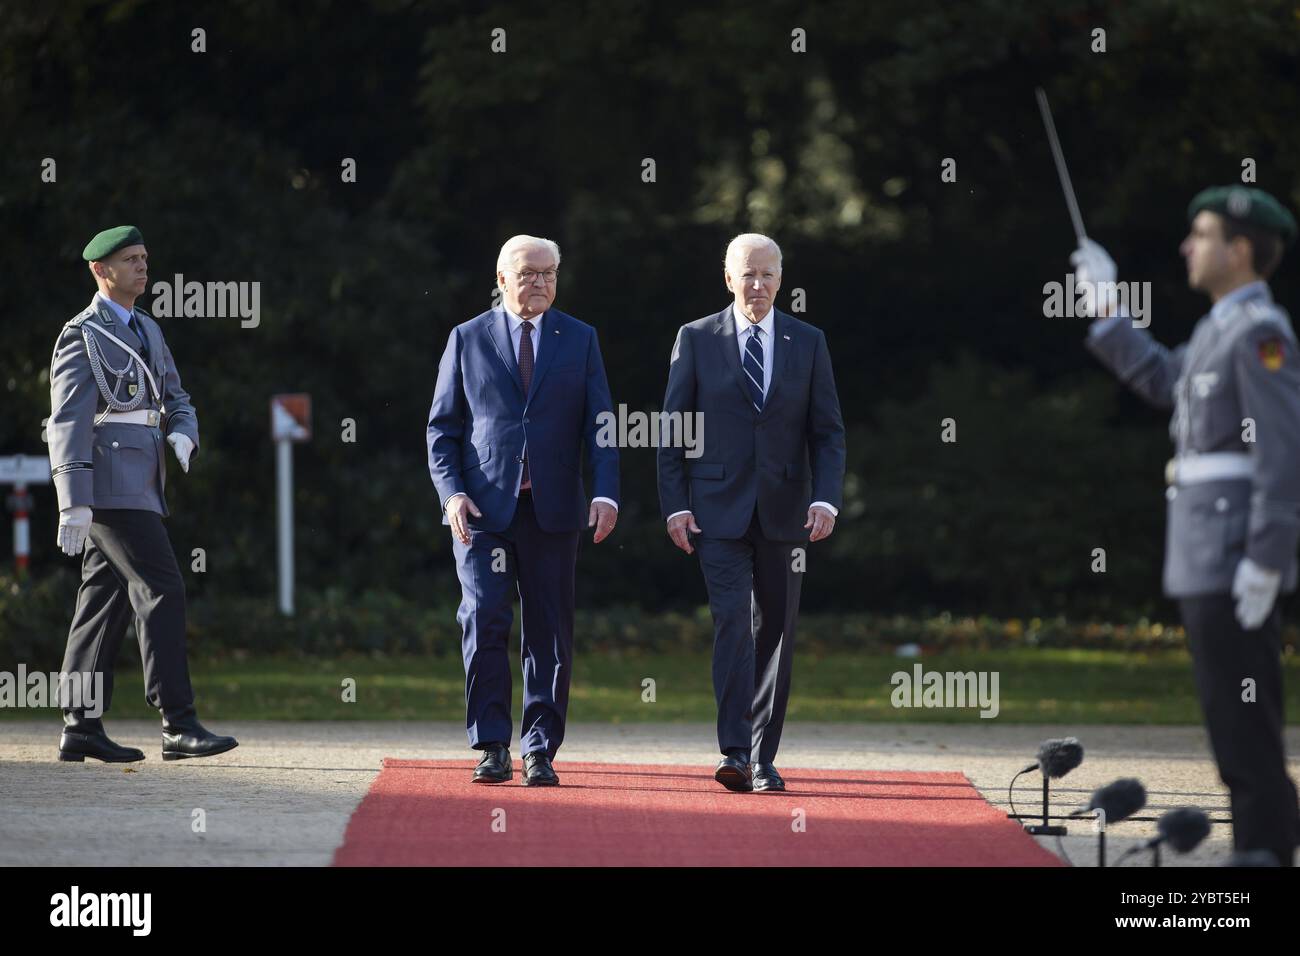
column 1045, row 828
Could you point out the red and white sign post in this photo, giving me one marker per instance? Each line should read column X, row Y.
column 20, row 471
column 290, row 422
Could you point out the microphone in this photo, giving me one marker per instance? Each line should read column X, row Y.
column 1117, row 801
column 1183, row 829
column 1057, row 757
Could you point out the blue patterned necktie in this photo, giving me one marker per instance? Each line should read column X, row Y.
column 753, row 365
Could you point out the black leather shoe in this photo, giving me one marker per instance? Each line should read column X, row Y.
column 766, row 777
column 538, row 771
column 85, row 737
column 185, row 737
column 494, row 766
column 734, row 774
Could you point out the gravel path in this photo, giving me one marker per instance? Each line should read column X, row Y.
column 285, row 795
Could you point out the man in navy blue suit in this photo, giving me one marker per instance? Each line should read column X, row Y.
column 767, row 482
column 519, row 391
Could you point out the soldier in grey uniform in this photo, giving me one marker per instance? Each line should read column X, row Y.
column 114, row 395
column 1233, row 486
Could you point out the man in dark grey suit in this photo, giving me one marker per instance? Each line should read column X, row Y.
column 767, row 481
column 1234, row 486
column 115, row 396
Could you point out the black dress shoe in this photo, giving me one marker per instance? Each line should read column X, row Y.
column 766, row 777
column 185, row 737
column 734, row 774
column 538, row 771
column 494, row 766
column 85, row 737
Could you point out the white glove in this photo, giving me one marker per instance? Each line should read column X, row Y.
column 1255, row 589
column 182, row 445
column 1093, row 264
column 74, row 525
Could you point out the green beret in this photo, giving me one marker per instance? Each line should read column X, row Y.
column 1245, row 205
column 109, row 241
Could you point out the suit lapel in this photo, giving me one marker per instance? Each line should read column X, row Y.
column 724, row 330
column 782, row 343
column 552, row 328
column 498, row 325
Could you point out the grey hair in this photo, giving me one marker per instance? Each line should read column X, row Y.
column 514, row 244
column 750, row 240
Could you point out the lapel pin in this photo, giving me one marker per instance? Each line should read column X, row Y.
column 786, row 337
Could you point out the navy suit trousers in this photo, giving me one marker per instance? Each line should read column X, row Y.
column 539, row 566
column 754, row 597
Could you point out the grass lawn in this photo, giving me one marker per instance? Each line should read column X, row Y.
column 1034, row 685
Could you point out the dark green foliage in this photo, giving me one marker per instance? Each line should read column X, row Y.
column 930, row 292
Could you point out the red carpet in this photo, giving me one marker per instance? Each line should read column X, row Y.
column 427, row 813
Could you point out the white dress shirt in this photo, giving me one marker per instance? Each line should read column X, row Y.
column 766, row 329
column 516, row 325
column 767, row 332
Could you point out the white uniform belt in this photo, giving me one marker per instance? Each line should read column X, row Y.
column 143, row 416
column 1211, row 466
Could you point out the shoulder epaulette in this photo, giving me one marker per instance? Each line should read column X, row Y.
column 1256, row 312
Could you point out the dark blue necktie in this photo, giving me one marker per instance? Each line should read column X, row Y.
column 753, row 365
column 134, row 325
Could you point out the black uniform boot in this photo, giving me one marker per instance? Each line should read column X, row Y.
column 183, row 736
column 85, row 737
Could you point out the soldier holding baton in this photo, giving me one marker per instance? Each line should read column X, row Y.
column 1233, row 486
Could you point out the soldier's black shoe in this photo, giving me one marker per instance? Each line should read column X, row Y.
column 734, row 774
column 494, row 766
column 184, row 737
column 85, row 737
column 538, row 771
column 766, row 777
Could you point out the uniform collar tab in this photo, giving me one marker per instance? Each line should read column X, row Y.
column 1225, row 307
